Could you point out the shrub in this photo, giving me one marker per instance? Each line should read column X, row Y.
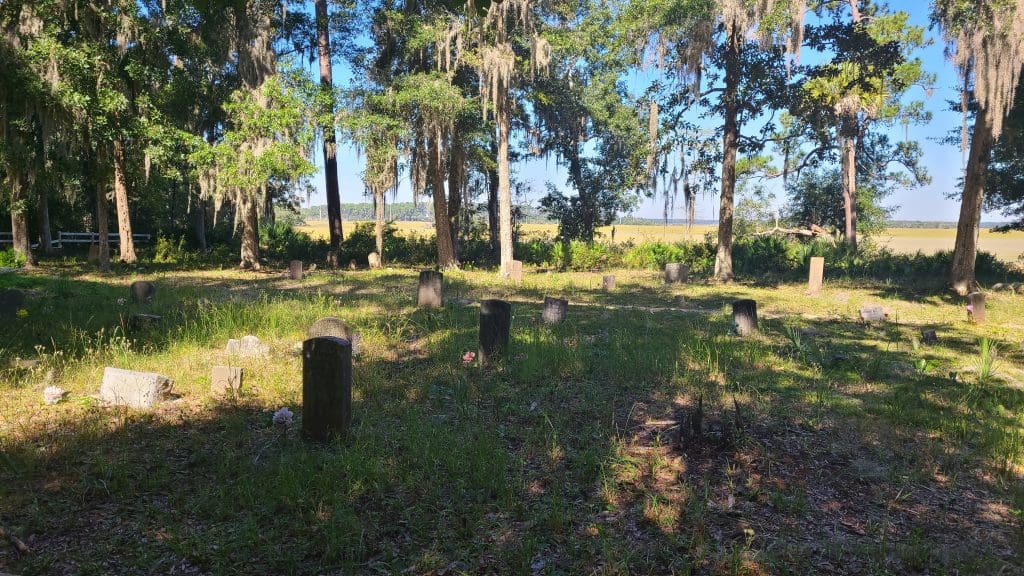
column 11, row 259
column 280, row 241
column 169, row 251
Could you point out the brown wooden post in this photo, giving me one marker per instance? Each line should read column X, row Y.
column 326, row 388
column 816, row 276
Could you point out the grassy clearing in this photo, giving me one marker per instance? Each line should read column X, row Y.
column 857, row 450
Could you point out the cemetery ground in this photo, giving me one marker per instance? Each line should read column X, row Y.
column 827, row 446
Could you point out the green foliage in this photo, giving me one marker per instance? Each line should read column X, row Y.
column 10, row 258
column 283, row 243
column 170, row 250
column 816, row 197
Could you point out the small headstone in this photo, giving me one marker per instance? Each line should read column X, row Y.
column 677, row 273
column 336, row 327
column 429, row 296
column 516, row 271
column 225, row 380
column 608, row 283
column 816, row 276
column 744, row 317
column 11, row 300
column 374, row 260
column 929, row 337
column 247, row 347
column 142, row 321
column 295, row 270
column 555, row 310
column 871, row 314
column 142, row 291
column 495, row 329
column 134, row 389
column 976, row 307
column 352, row 264
column 326, row 388
column 94, row 253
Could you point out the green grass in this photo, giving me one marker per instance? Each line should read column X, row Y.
column 561, row 460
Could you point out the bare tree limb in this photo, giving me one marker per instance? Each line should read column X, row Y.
column 15, row 541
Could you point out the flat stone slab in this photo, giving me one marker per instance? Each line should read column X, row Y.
column 247, row 347
column 873, row 314
column 133, row 389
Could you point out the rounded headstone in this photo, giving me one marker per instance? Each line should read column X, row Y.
column 326, row 388
column 976, row 307
column 608, row 283
column 295, row 270
column 142, row 291
column 555, row 310
column 744, row 316
column 331, row 326
column 374, row 260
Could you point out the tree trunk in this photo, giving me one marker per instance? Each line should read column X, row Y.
column 199, row 222
column 492, row 203
column 19, row 224
column 442, row 228
column 730, row 142
column 504, row 186
column 965, row 252
column 103, row 225
column 45, row 236
column 250, row 233
column 849, row 177
column 456, row 176
column 124, row 221
column 330, row 142
column 379, row 229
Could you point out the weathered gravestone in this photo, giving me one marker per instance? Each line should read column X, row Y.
column 11, row 300
column 374, row 260
column 929, row 337
column 134, row 389
column 336, row 327
column 816, row 275
column 555, row 310
column 608, row 283
column 976, row 307
column 94, row 253
column 352, row 264
column 495, row 329
column 429, row 295
column 744, row 317
column 515, row 271
column 677, row 273
column 295, row 270
column 225, row 380
column 247, row 347
column 871, row 314
column 142, row 291
column 326, row 388
column 143, row 321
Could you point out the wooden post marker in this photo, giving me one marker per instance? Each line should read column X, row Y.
column 976, row 307
column 555, row 310
column 608, row 283
column 744, row 316
column 677, row 273
column 495, row 329
column 816, row 277
column 326, row 388
column 429, row 295
column 295, row 270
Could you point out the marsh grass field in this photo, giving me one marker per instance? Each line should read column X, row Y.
column 1008, row 246
column 830, row 446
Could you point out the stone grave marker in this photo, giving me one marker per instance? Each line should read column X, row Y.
column 555, row 310
column 744, row 316
column 11, row 300
column 874, row 313
column 608, row 283
column 374, row 260
column 495, row 329
column 225, row 380
column 295, row 270
column 516, row 271
column 676, row 273
column 94, row 253
column 816, row 275
column 929, row 337
column 133, row 389
column 326, row 388
column 143, row 321
column 142, row 291
column 338, row 328
column 247, row 347
column 976, row 307
column 429, row 295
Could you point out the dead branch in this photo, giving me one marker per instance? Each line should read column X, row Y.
column 812, row 232
column 15, row 541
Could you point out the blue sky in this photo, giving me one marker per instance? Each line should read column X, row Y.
column 930, row 202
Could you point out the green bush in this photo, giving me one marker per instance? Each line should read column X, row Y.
column 169, row 251
column 11, row 259
column 281, row 242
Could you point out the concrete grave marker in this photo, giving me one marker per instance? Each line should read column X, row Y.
column 976, row 307
column 429, row 295
column 94, row 253
column 816, row 275
column 555, row 310
column 225, row 380
column 11, row 300
column 295, row 270
column 142, row 321
column 744, row 317
column 326, row 388
column 516, row 271
column 608, row 283
column 929, row 337
column 247, row 347
column 677, row 273
column 338, row 328
column 495, row 329
column 871, row 314
column 142, row 291
column 133, row 389
column 374, row 260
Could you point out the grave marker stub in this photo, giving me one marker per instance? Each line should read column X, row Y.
column 608, row 283
column 873, row 314
column 816, row 275
column 555, row 310
column 676, row 273
column 515, row 271
column 495, row 329
column 431, row 283
column 331, row 326
column 326, row 388
column 134, row 389
column 10, row 301
column 744, row 316
column 295, row 270
column 976, row 306
column 374, row 260
column 225, row 380
column 142, row 291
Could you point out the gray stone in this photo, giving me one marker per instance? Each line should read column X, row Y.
column 495, row 330
column 11, row 300
column 352, row 264
column 429, row 295
column 141, row 321
column 142, row 291
column 608, row 283
column 515, row 271
column 903, row 369
column 976, row 302
column 555, row 310
column 295, row 270
column 337, row 328
column 744, row 316
column 133, row 389
column 374, row 260
column 676, row 273
column 873, row 314
column 929, row 337
column 247, row 347
column 225, row 380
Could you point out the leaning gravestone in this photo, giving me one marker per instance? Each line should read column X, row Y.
column 133, row 389
column 11, row 300
column 744, row 317
column 142, row 291
column 326, row 388
column 225, row 380
column 495, row 329
column 374, row 260
column 871, row 314
column 816, row 275
column 429, row 296
column 295, row 270
column 608, row 283
column 976, row 307
column 515, row 271
column 676, row 273
column 555, row 310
